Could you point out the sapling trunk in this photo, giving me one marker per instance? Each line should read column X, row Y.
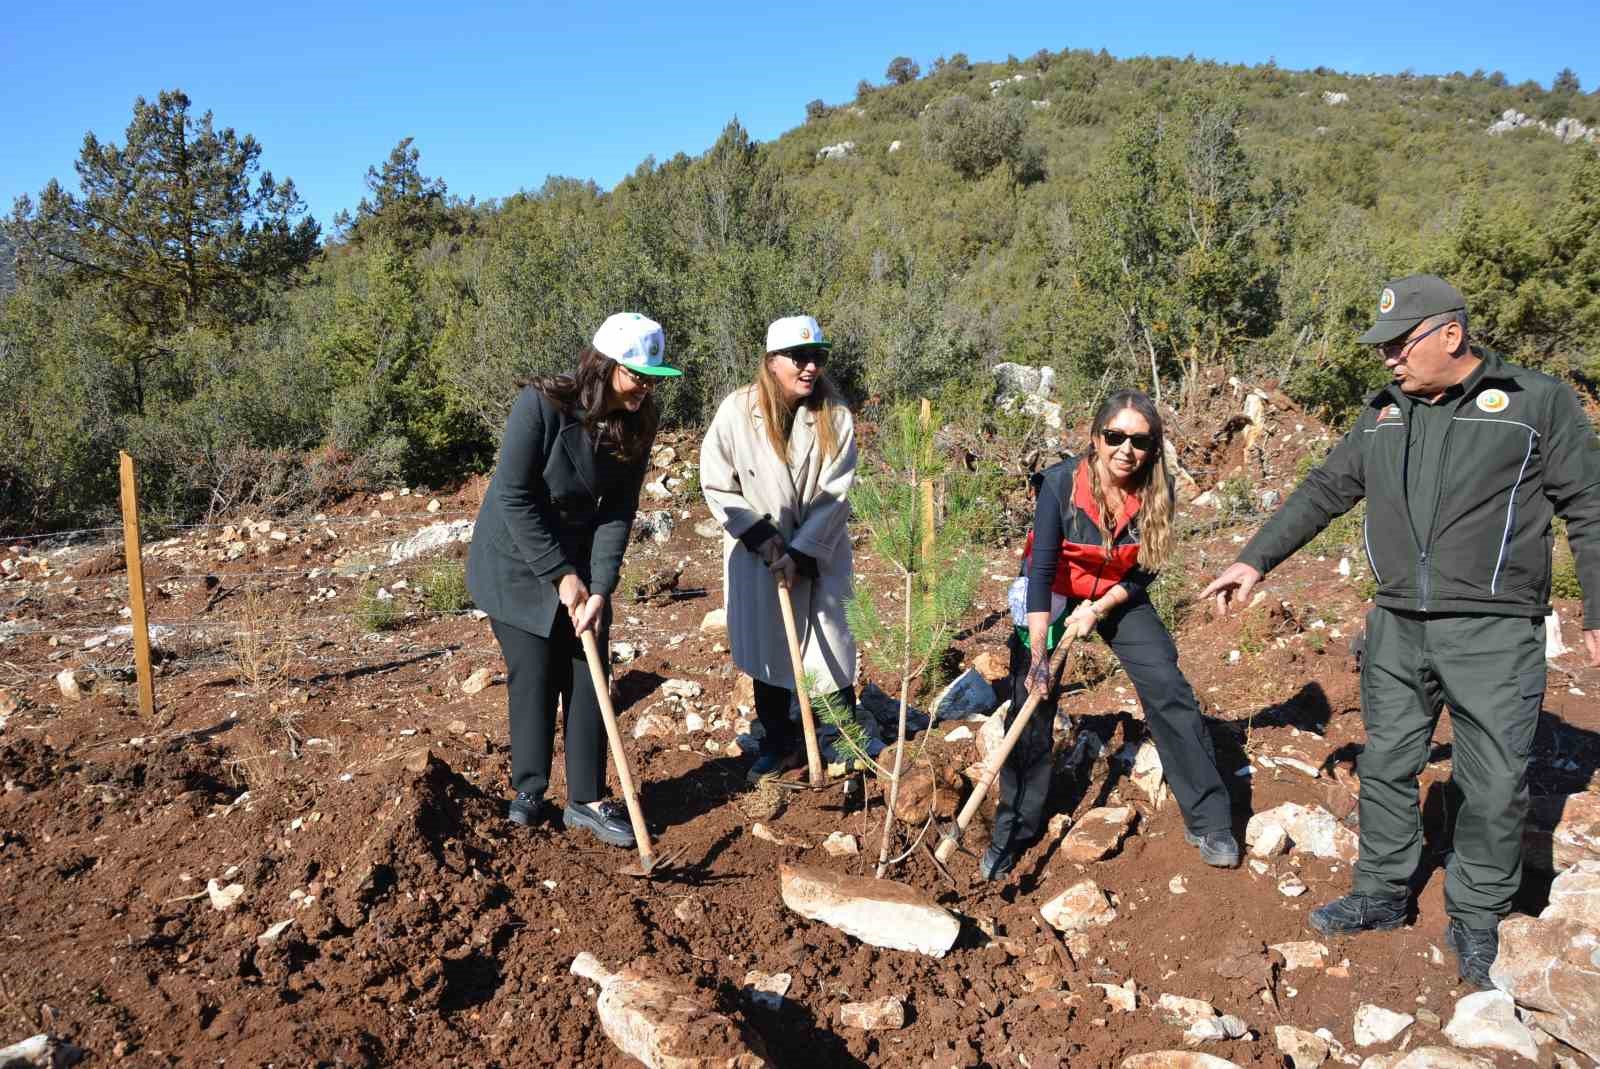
column 900, row 740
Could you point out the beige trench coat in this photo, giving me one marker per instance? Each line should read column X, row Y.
column 744, row 481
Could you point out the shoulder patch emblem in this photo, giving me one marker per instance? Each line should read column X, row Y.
column 1493, row 401
column 1386, row 301
column 1389, row 412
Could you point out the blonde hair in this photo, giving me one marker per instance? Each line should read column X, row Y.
column 780, row 417
column 1155, row 508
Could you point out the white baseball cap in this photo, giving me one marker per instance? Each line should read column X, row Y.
column 795, row 332
column 636, row 342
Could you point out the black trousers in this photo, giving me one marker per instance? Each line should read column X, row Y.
column 539, row 672
column 1188, row 760
column 782, row 735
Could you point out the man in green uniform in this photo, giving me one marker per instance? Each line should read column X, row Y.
column 1463, row 460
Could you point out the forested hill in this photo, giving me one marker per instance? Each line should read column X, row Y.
column 8, row 264
column 1119, row 220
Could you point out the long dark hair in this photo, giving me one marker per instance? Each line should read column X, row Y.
column 586, row 394
column 1150, row 479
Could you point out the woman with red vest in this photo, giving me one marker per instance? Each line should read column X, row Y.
column 1110, row 512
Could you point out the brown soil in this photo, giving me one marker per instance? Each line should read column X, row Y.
column 347, row 783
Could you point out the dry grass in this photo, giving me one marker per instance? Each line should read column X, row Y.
column 258, row 650
column 764, row 801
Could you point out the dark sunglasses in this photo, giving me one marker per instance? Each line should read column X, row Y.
column 647, row 382
column 808, row 355
column 1141, row 442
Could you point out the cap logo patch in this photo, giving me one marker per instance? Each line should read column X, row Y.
column 805, row 333
column 651, row 347
column 1493, row 401
column 1386, row 301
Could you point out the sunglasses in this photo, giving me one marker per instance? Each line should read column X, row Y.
column 645, row 382
column 1141, row 442
column 809, row 355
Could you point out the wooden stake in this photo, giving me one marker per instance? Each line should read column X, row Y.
column 927, row 492
column 141, row 621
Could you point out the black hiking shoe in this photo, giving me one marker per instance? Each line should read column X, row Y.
column 1358, row 913
column 608, row 823
column 1219, row 849
column 1475, row 950
column 528, row 809
column 996, row 862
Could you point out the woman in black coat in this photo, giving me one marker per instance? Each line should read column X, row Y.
column 547, row 553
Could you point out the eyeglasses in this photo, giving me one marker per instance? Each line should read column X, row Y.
column 808, row 355
column 1141, row 442
column 1397, row 349
column 642, row 382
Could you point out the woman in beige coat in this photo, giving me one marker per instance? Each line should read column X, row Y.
column 776, row 466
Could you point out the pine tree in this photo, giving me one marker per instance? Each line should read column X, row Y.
column 172, row 230
column 939, row 574
column 407, row 208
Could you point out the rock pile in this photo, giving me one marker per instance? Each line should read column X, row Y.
column 1568, row 130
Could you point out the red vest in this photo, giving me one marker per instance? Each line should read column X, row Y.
column 1084, row 570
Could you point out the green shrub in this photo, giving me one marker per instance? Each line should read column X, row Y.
column 1342, row 536
column 374, row 613
column 1563, row 569
column 445, row 587
column 1236, row 498
column 1173, row 594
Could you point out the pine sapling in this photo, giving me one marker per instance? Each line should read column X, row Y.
column 938, row 573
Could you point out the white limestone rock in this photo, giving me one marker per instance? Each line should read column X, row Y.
column 884, row 913
column 1488, row 1020
column 1374, row 1024
column 1083, row 905
column 1311, row 829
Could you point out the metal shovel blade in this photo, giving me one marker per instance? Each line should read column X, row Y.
column 659, row 866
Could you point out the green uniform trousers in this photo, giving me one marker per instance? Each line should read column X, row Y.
column 1490, row 670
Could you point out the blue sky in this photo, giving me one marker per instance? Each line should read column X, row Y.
column 499, row 95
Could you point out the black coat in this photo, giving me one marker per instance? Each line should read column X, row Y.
column 553, row 508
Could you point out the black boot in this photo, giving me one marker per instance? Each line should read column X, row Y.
column 1475, row 950
column 528, row 809
column 1358, row 913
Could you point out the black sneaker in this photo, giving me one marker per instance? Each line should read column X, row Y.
column 608, row 823
column 1358, row 913
column 1475, row 950
column 996, row 862
column 1219, row 849
column 528, row 809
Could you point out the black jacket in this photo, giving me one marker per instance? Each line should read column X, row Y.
column 1518, row 450
column 554, row 507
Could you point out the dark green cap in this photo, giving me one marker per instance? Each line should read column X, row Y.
column 1405, row 302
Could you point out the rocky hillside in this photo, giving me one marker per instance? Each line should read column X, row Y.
column 302, row 858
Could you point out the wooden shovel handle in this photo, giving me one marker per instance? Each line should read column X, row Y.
column 602, row 693
column 807, row 723
column 991, row 768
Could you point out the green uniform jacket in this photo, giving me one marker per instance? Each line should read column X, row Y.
column 1518, row 450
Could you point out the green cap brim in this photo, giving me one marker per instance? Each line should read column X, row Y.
column 1387, row 330
column 660, row 371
